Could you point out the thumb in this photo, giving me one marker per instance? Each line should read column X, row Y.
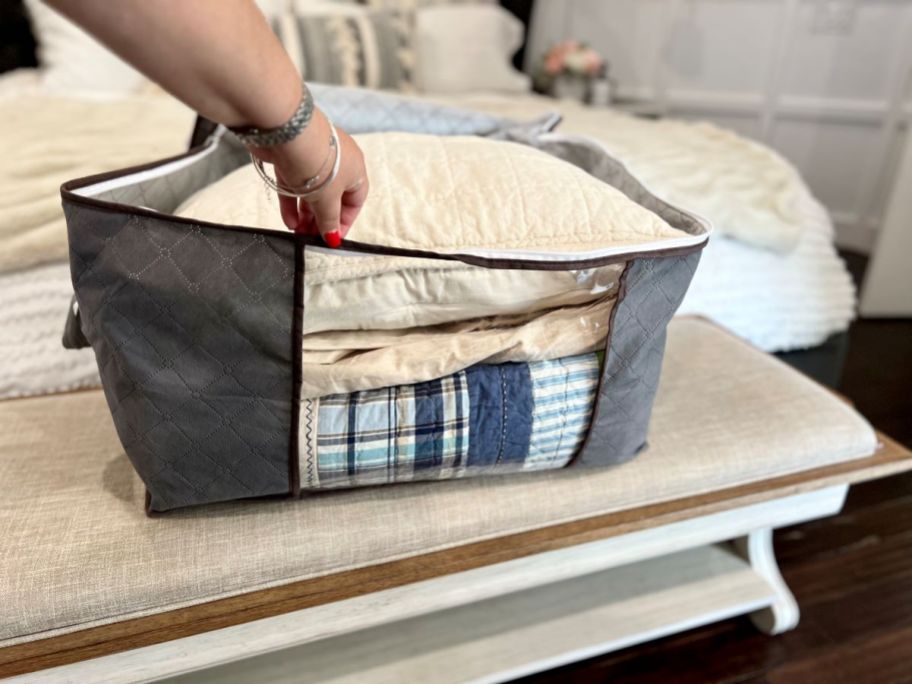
column 328, row 217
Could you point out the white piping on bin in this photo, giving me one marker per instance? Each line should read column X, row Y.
column 148, row 174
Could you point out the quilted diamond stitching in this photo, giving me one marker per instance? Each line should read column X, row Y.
column 630, row 378
column 220, row 352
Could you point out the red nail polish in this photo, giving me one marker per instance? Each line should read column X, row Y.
column 333, row 239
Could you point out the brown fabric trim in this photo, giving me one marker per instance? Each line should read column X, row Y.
column 525, row 265
column 516, row 264
column 366, row 248
column 622, row 292
column 297, row 350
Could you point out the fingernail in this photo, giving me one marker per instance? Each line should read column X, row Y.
column 333, row 239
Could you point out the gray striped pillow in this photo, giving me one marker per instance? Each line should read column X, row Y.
column 371, row 48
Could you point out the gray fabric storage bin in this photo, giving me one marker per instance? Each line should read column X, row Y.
column 197, row 327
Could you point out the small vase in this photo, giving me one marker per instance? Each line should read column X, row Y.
column 600, row 92
column 569, row 87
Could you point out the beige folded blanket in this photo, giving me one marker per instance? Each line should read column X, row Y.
column 342, row 362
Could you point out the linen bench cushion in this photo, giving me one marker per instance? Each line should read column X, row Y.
column 78, row 550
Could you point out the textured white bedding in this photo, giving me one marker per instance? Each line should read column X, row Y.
column 779, row 302
column 33, row 308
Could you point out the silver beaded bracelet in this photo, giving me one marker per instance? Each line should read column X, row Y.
column 270, row 137
column 312, row 186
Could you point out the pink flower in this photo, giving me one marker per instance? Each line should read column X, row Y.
column 573, row 57
column 592, row 61
column 554, row 64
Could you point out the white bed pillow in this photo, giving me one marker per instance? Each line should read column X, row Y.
column 468, row 48
column 73, row 61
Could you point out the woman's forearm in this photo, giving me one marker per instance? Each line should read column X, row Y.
column 220, row 57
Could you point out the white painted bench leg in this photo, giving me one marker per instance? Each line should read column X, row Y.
column 783, row 614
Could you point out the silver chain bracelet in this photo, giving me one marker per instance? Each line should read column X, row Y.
column 270, row 137
column 313, row 185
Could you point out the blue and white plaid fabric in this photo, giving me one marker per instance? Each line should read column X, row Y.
column 394, row 434
column 485, row 419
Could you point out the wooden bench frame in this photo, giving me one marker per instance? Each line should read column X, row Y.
column 558, row 560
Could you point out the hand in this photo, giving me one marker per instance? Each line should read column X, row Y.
column 332, row 212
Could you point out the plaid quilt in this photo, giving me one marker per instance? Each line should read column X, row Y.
column 486, row 419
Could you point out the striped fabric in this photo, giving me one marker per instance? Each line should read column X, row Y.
column 564, row 392
column 485, row 419
column 371, row 48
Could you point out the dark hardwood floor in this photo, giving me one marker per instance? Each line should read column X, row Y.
column 878, row 372
column 851, row 574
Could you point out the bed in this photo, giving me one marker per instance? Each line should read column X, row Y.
column 796, row 300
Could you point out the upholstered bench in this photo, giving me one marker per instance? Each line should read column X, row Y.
column 463, row 580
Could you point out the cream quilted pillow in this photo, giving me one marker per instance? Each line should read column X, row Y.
column 447, row 194
column 451, row 193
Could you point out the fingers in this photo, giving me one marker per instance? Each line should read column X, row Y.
column 288, row 207
column 334, row 214
column 329, row 216
column 352, row 201
column 296, row 214
column 327, row 211
column 306, row 222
